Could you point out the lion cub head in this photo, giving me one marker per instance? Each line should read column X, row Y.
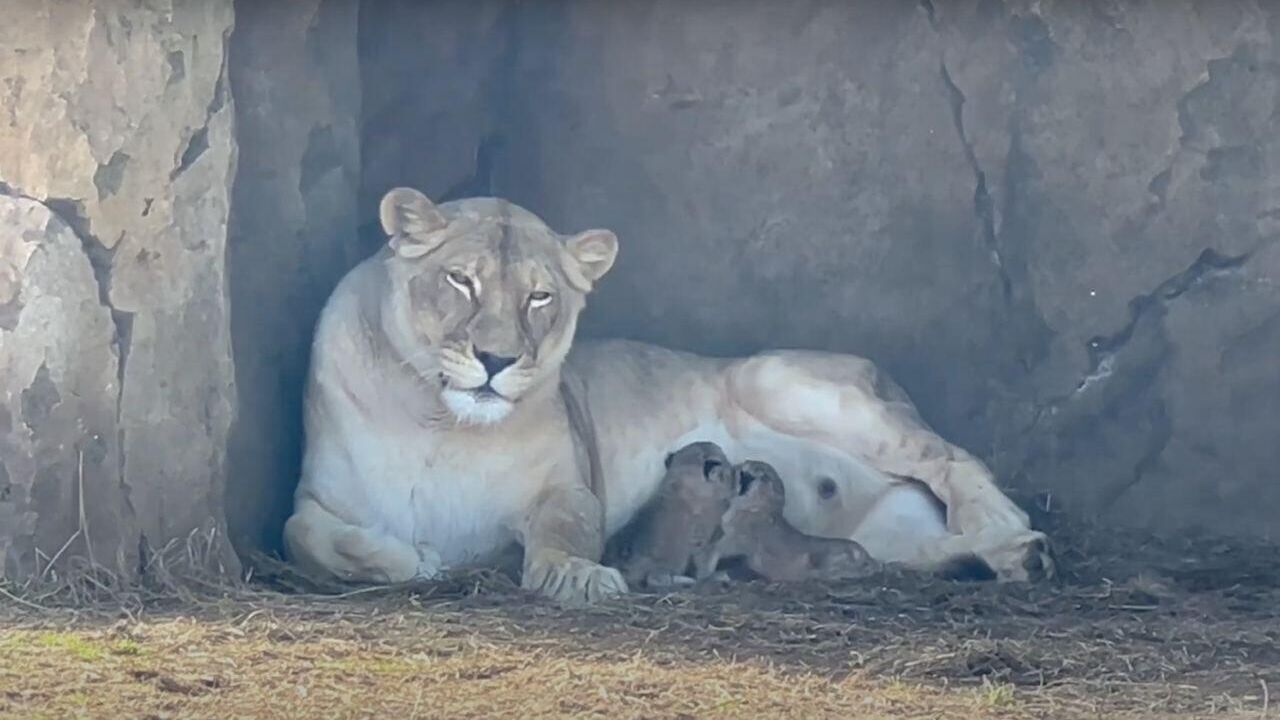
column 484, row 297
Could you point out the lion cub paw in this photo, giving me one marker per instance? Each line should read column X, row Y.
column 571, row 580
column 429, row 562
column 668, row 580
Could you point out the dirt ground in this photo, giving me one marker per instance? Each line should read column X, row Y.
column 1133, row 628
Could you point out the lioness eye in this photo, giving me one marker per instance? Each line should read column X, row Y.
column 460, row 281
column 539, row 298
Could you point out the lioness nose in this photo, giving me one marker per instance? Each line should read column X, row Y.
column 494, row 364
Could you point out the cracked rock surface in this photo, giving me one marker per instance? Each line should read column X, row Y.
column 1054, row 223
column 116, row 155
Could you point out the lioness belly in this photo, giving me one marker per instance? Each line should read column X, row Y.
column 891, row 519
column 900, row 523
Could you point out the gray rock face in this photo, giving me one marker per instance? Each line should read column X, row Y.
column 295, row 77
column 1054, row 223
column 116, row 154
column 429, row 77
column 803, row 189
column 59, row 439
column 1128, row 151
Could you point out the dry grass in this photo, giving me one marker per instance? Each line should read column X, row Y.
column 327, row 660
column 189, row 668
column 1136, row 629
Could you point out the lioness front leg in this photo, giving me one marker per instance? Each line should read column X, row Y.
column 563, row 543
column 319, row 541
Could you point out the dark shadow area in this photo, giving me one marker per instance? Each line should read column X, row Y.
column 295, row 80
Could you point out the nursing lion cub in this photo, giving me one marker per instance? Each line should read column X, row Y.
column 446, row 419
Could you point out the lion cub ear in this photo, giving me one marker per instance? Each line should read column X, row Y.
column 594, row 252
column 413, row 224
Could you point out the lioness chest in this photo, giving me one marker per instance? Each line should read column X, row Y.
column 465, row 496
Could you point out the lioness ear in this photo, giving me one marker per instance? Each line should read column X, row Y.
column 594, row 251
column 413, row 224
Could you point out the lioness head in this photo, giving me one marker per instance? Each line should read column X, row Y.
column 484, row 297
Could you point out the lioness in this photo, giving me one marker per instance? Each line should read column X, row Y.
column 437, row 432
column 677, row 528
column 754, row 529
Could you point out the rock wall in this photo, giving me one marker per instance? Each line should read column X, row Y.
column 116, row 388
column 435, row 94
column 295, row 77
column 1054, row 222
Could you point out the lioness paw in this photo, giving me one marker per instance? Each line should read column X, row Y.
column 1023, row 557
column 571, row 580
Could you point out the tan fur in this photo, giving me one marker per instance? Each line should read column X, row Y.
column 678, row 526
column 755, row 530
column 419, row 457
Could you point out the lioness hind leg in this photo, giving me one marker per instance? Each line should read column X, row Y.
column 318, row 541
column 845, row 403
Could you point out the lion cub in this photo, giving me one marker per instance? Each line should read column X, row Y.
column 754, row 529
column 680, row 524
